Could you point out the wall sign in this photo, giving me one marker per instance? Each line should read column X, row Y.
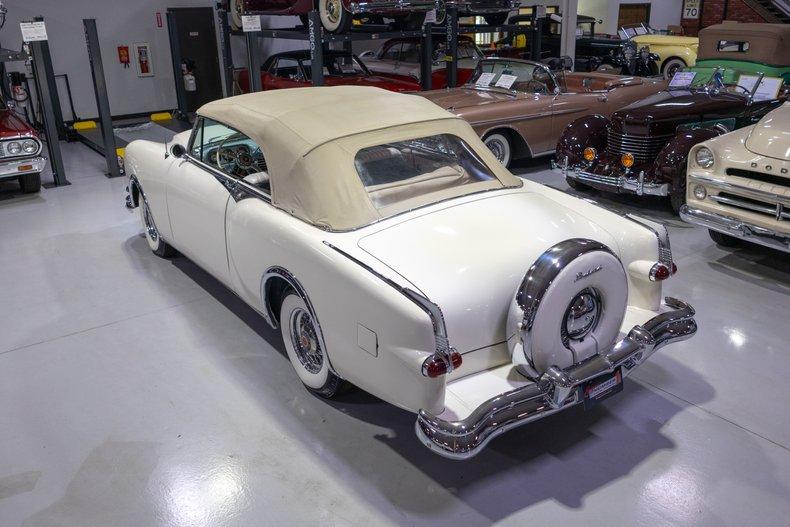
column 143, row 60
column 250, row 23
column 159, row 22
column 33, row 31
column 691, row 9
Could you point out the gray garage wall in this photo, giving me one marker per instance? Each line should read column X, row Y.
column 119, row 22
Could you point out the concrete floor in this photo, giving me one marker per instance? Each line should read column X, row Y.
column 138, row 391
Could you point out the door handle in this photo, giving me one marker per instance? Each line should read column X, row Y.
column 603, row 98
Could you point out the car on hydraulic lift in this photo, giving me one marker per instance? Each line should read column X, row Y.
column 644, row 147
column 400, row 58
column 20, row 151
column 292, row 69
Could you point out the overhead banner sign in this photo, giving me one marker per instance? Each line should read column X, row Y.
column 33, row 31
column 691, row 9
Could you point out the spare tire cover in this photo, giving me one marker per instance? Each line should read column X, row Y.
column 598, row 270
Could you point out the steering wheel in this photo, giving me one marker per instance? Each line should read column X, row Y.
column 535, row 87
column 240, row 156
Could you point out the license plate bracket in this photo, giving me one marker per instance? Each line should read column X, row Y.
column 596, row 390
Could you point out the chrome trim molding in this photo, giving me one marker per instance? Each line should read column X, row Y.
column 9, row 168
column 744, row 191
column 362, row 6
column 554, row 391
column 443, row 351
column 537, row 281
column 635, row 185
column 662, row 235
column 736, row 227
column 283, row 273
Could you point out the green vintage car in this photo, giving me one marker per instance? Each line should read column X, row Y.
column 743, row 49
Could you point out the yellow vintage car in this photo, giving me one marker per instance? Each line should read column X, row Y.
column 675, row 52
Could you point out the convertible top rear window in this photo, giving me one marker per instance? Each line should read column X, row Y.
column 398, row 171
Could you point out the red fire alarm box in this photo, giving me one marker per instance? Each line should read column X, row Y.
column 123, row 56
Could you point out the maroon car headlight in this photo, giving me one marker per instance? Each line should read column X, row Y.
column 30, row 146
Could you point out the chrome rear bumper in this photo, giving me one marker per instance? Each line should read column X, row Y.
column 556, row 389
column 736, row 227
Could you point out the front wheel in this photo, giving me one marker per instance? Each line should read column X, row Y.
column 725, row 240
column 158, row 246
column 496, row 19
column 30, row 183
column 500, row 146
column 236, row 8
column 672, row 66
column 677, row 196
column 334, row 16
column 305, row 348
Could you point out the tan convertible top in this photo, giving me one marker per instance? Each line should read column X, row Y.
column 309, row 137
column 768, row 43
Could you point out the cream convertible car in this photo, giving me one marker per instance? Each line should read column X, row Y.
column 394, row 251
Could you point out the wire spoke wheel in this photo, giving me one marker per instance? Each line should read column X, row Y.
column 148, row 223
column 305, row 341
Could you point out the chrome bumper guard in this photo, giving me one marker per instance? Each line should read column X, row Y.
column 736, row 227
column 635, row 185
column 555, row 390
column 10, row 169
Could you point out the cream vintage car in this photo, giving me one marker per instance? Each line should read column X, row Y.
column 675, row 52
column 738, row 184
column 394, row 251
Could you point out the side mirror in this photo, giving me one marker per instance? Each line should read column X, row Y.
column 178, row 150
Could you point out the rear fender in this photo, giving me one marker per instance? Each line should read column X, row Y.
column 588, row 131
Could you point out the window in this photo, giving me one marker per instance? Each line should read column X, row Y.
column 410, row 52
column 337, row 65
column 288, row 69
column 732, row 46
column 230, row 152
column 520, row 76
column 402, row 170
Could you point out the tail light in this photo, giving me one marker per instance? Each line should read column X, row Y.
column 435, row 366
column 661, row 271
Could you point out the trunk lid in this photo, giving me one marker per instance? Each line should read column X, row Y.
column 469, row 258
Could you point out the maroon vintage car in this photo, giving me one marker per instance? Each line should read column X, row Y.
column 336, row 15
column 643, row 148
column 291, row 69
column 20, row 151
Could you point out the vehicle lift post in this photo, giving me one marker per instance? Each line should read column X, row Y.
column 451, row 21
column 253, row 39
column 426, row 61
column 537, row 34
column 47, row 90
column 316, row 48
column 227, row 59
column 102, row 101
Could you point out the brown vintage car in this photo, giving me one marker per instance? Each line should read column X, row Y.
column 520, row 107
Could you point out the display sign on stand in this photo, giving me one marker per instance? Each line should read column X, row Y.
column 250, row 23
column 682, row 79
column 33, row 31
column 768, row 89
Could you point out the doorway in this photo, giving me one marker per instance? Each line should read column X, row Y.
column 197, row 41
column 633, row 15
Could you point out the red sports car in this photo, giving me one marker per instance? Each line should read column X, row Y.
column 292, row 69
column 20, row 151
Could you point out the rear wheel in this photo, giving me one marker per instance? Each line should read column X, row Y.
column 499, row 144
column 334, row 16
column 496, row 19
column 30, row 183
column 725, row 240
column 236, row 9
column 305, row 348
column 672, row 66
column 158, row 246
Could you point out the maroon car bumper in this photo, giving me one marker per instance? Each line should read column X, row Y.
column 609, row 175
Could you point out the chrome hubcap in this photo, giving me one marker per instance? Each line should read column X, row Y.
column 333, row 8
column 150, row 228
column 305, row 341
column 497, row 148
column 582, row 315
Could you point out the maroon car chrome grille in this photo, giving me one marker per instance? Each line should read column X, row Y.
column 643, row 148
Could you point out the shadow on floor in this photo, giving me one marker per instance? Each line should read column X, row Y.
column 563, row 457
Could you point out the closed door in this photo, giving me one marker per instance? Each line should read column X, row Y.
column 633, row 15
column 197, row 41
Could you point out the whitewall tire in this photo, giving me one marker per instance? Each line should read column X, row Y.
column 236, row 8
column 155, row 242
column 305, row 347
column 334, row 16
column 500, row 146
column 672, row 66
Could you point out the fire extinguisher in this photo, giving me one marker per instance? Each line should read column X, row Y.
column 18, row 91
column 190, row 83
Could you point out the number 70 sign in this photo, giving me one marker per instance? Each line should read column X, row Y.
column 691, row 9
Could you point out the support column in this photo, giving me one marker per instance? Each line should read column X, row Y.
column 316, row 48
column 102, row 101
column 426, row 58
column 254, row 60
column 452, row 46
column 568, row 42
